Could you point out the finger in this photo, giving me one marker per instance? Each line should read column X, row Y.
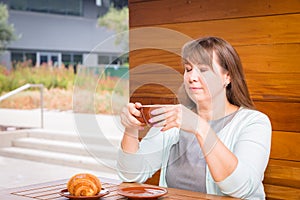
column 138, row 105
column 162, row 110
column 157, row 118
column 134, row 111
column 160, row 123
column 134, row 121
column 169, row 122
column 128, row 119
column 168, row 126
column 170, row 115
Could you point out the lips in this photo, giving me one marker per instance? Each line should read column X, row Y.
column 195, row 88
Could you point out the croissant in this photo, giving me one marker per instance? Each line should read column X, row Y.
column 84, row 185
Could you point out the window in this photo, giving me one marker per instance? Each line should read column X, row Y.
column 63, row 7
column 17, row 5
column 66, row 59
column 43, row 60
column 115, row 60
column 103, row 60
column 17, row 57
column 30, row 58
column 77, row 59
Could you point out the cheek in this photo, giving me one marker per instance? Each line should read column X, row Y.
column 213, row 83
column 185, row 78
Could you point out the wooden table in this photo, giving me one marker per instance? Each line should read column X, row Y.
column 51, row 190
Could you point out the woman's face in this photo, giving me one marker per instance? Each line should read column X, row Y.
column 204, row 85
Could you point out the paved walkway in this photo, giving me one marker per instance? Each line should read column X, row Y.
column 17, row 172
column 61, row 121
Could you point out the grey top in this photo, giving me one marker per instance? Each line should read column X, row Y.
column 186, row 165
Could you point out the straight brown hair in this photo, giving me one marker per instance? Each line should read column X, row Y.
column 201, row 51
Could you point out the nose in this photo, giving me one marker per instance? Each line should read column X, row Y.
column 194, row 76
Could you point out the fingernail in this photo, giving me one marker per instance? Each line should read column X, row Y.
column 153, row 112
column 150, row 120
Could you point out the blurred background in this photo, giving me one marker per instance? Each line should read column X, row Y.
column 51, row 51
column 48, row 41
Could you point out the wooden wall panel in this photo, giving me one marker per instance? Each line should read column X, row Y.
column 284, row 145
column 262, row 87
column 274, row 58
column 271, row 58
column 274, row 86
column 265, row 33
column 278, row 29
column 146, row 13
column 246, row 31
column 157, row 56
column 272, row 71
column 279, row 192
column 153, row 100
column 284, row 116
column 280, row 172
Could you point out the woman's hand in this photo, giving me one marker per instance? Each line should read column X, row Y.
column 129, row 119
column 132, row 126
column 176, row 116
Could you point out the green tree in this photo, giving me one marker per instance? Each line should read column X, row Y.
column 6, row 29
column 116, row 20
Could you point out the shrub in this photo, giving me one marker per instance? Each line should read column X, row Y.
column 48, row 76
column 109, row 93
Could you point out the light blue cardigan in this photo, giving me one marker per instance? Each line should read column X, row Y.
column 248, row 136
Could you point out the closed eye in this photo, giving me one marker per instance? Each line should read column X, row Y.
column 188, row 67
column 204, row 69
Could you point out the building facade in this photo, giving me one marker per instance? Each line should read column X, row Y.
column 59, row 32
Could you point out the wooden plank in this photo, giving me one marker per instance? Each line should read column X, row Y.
column 245, row 31
column 274, row 86
column 284, row 116
column 279, row 58
column 158, row 100
column 159, row 79
column 135, row 1
column 283, row 173
column 262, row 86
column 157, row 91
column 271, row 72
column 157, row 56
column 275, row 58
column 279, row 192
column 288, row 120
column 145, row 13
column 285, row 146
column 157, row 38
column 280, row 29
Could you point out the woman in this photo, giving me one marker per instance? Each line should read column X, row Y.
column 217, row 143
